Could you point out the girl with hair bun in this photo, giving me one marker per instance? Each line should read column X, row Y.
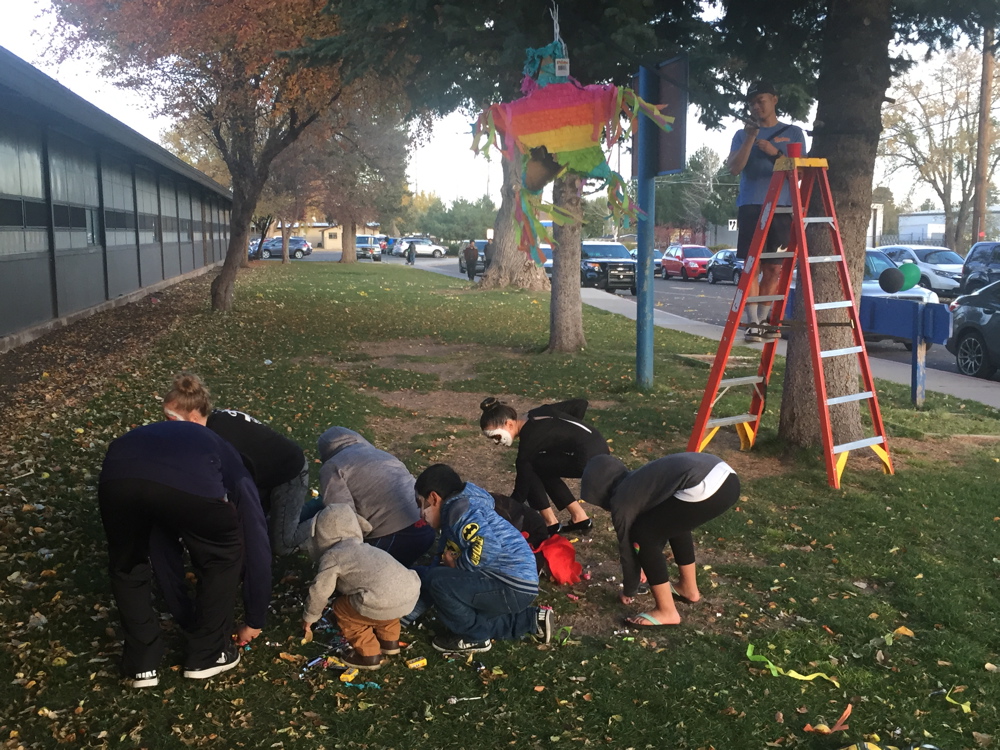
column 553, row 443
column 277, row 465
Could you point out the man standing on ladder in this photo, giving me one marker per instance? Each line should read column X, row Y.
column 755, row 150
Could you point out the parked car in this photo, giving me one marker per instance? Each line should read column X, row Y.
column 724, row 266
column 368, row 246
column 982, row 266
column 271, row 248
column 423, row 247
column 940, row 268
column 253, row 247
column 603, row 265
column 975, row 331
column 686, row 261
column 480, row 261
column 657, row 259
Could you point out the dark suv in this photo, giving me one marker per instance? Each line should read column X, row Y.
column 271, row 248
column 982, row 266
column 975, row 331
column 604, row 265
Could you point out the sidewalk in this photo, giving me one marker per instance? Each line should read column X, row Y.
column 948, row 383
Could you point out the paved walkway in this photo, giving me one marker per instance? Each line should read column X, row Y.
column 949, row 383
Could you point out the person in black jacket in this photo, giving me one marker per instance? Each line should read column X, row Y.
column 279, row 470
column 554, row 443
column 278, row 465
column 663, row 501
column 187, row 479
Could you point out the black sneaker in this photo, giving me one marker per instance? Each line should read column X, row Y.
column 455, row 644
column 543, row 625
column 143, row 679
column 228, row 659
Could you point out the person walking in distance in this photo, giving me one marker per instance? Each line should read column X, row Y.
column 471, row 255
column 754, row 151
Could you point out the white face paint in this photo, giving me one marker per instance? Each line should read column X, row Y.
column 500, row 436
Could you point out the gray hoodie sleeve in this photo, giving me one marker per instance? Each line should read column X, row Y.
column 322, row 588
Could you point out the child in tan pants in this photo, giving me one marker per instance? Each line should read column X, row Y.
column 375, row 590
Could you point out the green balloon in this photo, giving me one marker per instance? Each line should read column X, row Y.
column 911, row 275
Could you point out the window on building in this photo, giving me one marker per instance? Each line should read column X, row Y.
column 331, row 235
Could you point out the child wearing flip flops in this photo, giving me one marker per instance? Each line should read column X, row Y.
column 661, row 502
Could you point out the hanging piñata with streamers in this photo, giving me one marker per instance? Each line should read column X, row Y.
column 558, row 126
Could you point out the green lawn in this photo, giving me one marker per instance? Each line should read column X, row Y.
column 818, row 580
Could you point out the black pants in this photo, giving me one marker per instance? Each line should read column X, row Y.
column 673, row 521
column 130, row 508
column 406, row 545
column 542, row 479
column 778, row 236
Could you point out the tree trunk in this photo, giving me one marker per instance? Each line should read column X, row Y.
column 566, row 307
column 286, row 232
column 511, row 267
column 854, row 76
column 245, row 195
column 349, row 252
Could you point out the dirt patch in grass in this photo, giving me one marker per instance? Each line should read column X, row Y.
column 590, row 607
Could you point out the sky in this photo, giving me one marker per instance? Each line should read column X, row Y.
column 442, row 163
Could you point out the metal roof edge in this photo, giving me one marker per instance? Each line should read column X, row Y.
column 48, row 93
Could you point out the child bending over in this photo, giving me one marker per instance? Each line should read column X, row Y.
column 375, row 590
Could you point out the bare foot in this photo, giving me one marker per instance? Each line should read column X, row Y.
column 685, row 594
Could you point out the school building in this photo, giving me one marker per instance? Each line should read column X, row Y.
column 92, row 213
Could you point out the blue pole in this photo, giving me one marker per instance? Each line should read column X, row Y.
column 648, row 138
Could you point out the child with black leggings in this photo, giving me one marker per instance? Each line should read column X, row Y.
column 663, row 501
column 553, row 442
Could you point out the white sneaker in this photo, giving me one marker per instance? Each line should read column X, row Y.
column 752, row 335
column 143, row 679
column 228, row 659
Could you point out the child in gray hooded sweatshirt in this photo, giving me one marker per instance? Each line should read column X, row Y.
column 375, row 590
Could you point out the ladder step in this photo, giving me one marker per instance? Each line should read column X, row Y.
column 851, row 397
column 745, row 380
column 766, row 298
column 832, row 305
column 825, row 258
column 840, row 352
column 782, row 209
column 818, row 220
column 877, row 440
column 783, row 255
column 724, row 421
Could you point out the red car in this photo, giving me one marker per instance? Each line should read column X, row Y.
column 686, row 261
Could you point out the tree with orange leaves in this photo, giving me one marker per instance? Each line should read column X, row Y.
column 220, row 63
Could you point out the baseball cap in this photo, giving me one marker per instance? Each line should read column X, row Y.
column 760, row 87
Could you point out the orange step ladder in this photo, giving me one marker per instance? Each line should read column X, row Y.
column 802, row 176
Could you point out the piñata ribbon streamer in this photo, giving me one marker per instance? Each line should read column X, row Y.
column 776, row 670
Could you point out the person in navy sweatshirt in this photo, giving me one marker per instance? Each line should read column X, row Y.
column 487, row 582
column 183, row 477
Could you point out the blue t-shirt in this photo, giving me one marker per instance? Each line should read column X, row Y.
column 756, row 175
